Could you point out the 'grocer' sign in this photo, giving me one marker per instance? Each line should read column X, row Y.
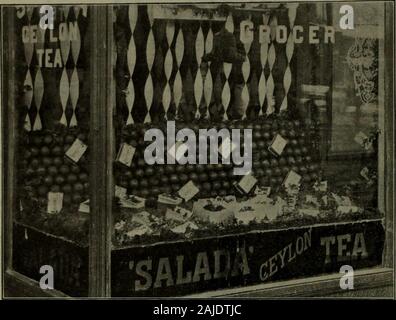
column 207, row 264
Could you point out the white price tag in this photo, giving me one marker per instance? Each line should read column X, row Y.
column 183, row 227
column 84, row 207
column 362, row 140
column 55, row 202
column 76, row 150
column 263, row 191
column 347, row 209
column 277, row 145
column 247, row 183
column 365, row 173
column 125, row 154
column 321, row 186
column 226, row 148
column 346, row 201
column 292, row 179
column 337, row 198
column 120, row 192
column 178, row 214
column 309, row 212
column 188, row 191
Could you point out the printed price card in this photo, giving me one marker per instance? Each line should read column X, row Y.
column 188, row 191
column 292, row 179
column 247, row 183
column 120, row 192
column 320, row 186
column 226, row 148
column 76, row 150
column 365, row 173
column 125, row 154
column 362, row 140
column 55, row 202
column 277, row 145
column 84, row 207
column 263, row 191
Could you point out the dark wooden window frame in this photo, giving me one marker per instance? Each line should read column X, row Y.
column 102, row 144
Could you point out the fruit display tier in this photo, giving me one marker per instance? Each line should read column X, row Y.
column 300, row 155
column 44, row 168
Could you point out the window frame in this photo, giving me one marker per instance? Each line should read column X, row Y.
column 102, row 143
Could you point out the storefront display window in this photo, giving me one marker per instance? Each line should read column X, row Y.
column 242, row 145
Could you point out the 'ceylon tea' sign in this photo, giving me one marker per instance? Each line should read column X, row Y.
column 237, row 260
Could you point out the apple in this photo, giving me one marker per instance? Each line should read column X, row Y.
column 164, row 180
column 71, row 178
column 274, row 163
column 170, row 168
column 78, row 187
column 268, row 172
column 133, row 183
column 81, row 136
column 74, row 169
column 285, row 170
column 213, row 175
column 264, row 181
column 226, row 184
column 42, row 190
column 183, row 178
column 279, row 180
column 67, row 199
column 69, row 139
column 174, row 178
column 139, row 173
column 27, row 154
column 76, row 198
column 52, row 170
column 59, row 179
column 55, row 188
column 273, row 181
column 34, row 151
column 149, row 171
column 56, row 151
column 265, row 164
column 143, row 183
column 37, row 140
column 64, row 169
column 48, row 139
column 58, row 161
column 278, row 171
column 66, row 147
column 259, row 172
column 203, row 177
column 291, row 160
column 180, row 169
column 154, row 181
column 48, row 180
column 46, row 161
column 297, row 151
column 40, row 170
column 222, row 175
column 303, row 170
column 29, row 172
column 206, row 186
column 193, row 176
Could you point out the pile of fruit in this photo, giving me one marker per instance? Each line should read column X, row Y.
column 300, row 155
column 45, row 168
